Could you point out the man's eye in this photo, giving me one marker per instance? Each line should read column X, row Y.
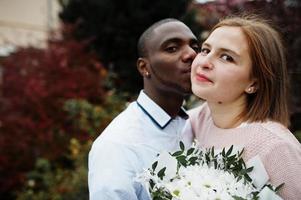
column 227, row 58
column 204, row 51
column 171, row 49
column 196, row 48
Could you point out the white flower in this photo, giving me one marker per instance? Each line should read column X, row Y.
column 210, row 177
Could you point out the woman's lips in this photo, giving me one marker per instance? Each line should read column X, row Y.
column 202, row 78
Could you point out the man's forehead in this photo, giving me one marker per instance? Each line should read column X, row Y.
column 169, row 24
column 169, row 31
column 167, row 27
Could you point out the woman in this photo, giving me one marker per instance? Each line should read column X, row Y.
column 241, row 74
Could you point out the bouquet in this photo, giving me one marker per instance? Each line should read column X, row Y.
column 201, row 174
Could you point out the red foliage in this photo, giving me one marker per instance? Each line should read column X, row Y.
column 36, row 83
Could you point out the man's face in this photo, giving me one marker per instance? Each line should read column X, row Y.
column 170, row 52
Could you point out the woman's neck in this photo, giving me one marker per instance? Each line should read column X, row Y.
column 225, row 115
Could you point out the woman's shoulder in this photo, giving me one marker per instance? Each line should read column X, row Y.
column 271, row 135
column 280, row 153
column 278, row 132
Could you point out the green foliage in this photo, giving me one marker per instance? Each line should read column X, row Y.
column 49, row 181
column 34, row 85
column 66, row 179
column 298, row 135
column 91, row 118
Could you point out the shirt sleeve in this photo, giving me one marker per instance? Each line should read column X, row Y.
column 283, row 164
column 111, row 173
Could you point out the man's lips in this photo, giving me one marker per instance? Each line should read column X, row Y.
column 202, row 78
column 187, row 70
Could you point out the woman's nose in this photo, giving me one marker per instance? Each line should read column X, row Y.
column 203, row 60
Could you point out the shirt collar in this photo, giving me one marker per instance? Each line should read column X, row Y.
column 155, row 112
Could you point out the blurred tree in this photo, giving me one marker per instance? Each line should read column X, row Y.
column 35, row 85
column 114, row 27
column 47, row 181
column 52, row 180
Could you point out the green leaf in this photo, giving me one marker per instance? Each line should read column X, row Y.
column 192, row 160
column 229, row 151
column 207, row 157
column 182, row 146
column 151, row 183
column 223, row 152
column 238, row 198
column 243, row 171
column 212, row 152
column 248, row 178
column 240, row 153
column 161, row 173
column 190, row 151
column 182, row 160
column 154, row 165
column 177, row 153
column 249, row 169
column 231, row 158
column 279, row 187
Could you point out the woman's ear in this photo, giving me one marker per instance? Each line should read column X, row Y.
column 143, row 67
column 252, row 87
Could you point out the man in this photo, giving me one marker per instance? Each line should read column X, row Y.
column 151, row 124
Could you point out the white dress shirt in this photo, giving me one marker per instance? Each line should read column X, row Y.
column 130, row 144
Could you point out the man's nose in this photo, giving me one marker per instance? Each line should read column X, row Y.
column 189, row 54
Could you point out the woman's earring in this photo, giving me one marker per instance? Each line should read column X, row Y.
column 147, row 74
column 250, row 90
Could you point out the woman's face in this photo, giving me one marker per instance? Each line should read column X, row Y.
column 221, row 72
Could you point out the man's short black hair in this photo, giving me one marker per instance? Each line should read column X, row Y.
column 147, row 34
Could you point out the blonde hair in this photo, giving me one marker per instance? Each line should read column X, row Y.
column 268, row 67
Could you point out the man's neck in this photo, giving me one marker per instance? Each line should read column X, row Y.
column 170, row 102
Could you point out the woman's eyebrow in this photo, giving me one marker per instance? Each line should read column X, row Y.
column 230, row 51
column 223, row 49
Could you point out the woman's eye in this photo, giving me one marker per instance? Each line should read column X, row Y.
column 227, row 58
column 205, row 51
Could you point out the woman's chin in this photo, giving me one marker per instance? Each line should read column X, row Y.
column 197, row 92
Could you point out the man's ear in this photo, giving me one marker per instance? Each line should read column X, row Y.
column 143, row 67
